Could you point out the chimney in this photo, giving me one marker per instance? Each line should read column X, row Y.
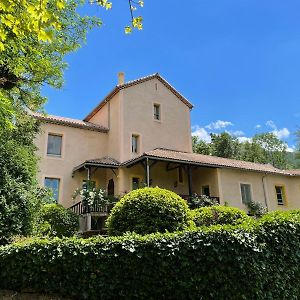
column 121, row 78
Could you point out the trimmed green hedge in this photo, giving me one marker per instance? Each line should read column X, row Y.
column 220, row 262
column 149, row 210
column 214, row 215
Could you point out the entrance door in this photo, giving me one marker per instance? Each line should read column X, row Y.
column 111, row 188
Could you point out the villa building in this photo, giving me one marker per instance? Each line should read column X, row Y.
column 140, row 135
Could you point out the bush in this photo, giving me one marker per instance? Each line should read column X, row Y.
column 220, row 262
column 197, row 201
column 213, row 215
column 148, row 210
column 256, row 209
column 55, row 220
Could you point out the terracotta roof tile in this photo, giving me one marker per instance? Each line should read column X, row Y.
column 214, row 161
column 132, row 83
column 106, row 160
column 69, row 122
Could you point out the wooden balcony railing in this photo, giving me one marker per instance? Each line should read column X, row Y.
column 81, row 208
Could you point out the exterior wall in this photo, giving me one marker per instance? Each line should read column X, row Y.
column 292, row 191
column 78, row 145
column 231, row 192
column 102, row 116
column 173, row 131
column 203, row 177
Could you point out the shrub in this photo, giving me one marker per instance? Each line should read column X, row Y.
column 256, row 209
column 197, row 201
column 55, row 220
column 148, row 210
column 214, row 215
column 220, row 262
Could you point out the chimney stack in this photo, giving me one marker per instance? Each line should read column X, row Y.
column 121, row 78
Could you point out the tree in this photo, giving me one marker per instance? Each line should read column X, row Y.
column 274, row 150
column 35, row 35
column 225, row 145
column 200, row 146
column 253, row 152
column 19, row 192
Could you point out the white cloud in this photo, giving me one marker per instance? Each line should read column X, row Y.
column 279, row 133
column 257, row 126
column 271, row 124
column 201, row 133
column 218, row 124
column 243, row 139
column 235, row 133
column 290, row 149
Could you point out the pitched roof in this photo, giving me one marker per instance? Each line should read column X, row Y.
column 104, row 162
column 68, row 122
column 135, row 82
column 211, row 161
column 192, row 159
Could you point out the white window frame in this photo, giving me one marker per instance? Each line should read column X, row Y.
column 251, row 190
column 59, row 185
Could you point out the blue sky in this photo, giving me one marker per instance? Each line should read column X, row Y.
column 237, row 61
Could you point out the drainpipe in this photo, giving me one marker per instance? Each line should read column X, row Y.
column 88, row 172
column 264, row 188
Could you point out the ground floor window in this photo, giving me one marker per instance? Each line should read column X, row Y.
column 53, row 185
column 246, row 193
column 280, row 194
column 135, row 183
column 205, row 190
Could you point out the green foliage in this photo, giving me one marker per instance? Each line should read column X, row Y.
column 214, row 215
column 222, row 262
column 256, row 209
column 55, row 220
column 224, row 145
column 20, row 196
column 37, row 37
column 263, row 148
column 197, row 201
column 200, row 146
column 148, row 210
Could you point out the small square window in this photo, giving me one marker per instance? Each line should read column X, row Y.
column 54, row 145
column 134, row 143
column 246, row 193
column 280, row 195
column 156, row 109
column 53, row 185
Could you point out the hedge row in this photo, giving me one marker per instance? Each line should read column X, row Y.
column 221, row 262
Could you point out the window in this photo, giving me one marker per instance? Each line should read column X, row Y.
column 135, row 183
column 54, row 144
column 134, row 144
column 156, row 109
column 53, row 184
column 246, row 193
column 205, row 190
column 180, row 175
column 280, row 195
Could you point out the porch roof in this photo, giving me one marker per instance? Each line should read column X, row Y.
column 103, row 162
column 210, row 161
column 187, row 158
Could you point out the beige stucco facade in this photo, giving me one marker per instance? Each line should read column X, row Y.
column 129, row 111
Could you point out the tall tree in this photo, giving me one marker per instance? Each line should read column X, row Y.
column 225, row 145
column 274, row 150
column 200, row 146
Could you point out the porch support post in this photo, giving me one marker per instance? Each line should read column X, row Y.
column 147, row 171
column 189, row 173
